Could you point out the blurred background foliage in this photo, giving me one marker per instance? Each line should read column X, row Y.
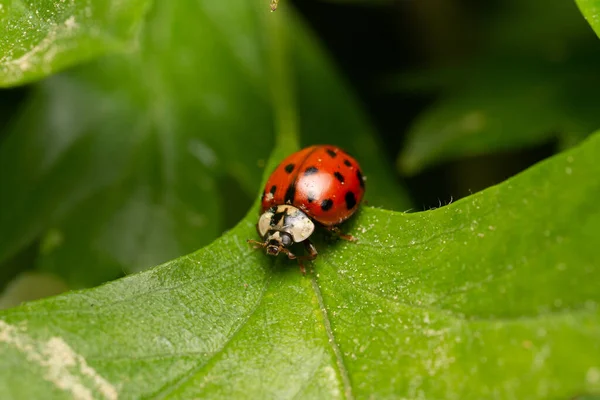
column 148, row 145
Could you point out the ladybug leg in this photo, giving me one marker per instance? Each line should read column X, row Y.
column 302, row 269
column 312, row 254
column 292, row 256
column 312, row 250
column 335, row 230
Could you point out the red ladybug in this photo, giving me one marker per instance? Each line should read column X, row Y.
column 321, row 184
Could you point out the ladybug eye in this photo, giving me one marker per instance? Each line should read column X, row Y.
column 286, row 240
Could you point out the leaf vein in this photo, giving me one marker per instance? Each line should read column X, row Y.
column 336, row 350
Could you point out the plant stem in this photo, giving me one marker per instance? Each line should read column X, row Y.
column 282, row 84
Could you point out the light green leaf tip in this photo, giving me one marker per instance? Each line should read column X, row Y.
column 591, row 11
column 494, row 296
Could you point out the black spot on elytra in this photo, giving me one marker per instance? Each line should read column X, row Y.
column 311, row 197
column 273, row 190
column 289, row 168
column 361, row 180
column 347, row 163
column 262, row 198
column 331, row 153
column 326, row 204
column 311, row 170
column 350, row 200
column 339, row 176
column 290, row 193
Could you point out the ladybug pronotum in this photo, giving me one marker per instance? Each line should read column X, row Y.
column 319, row 185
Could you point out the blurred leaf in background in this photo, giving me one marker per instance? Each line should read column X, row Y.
column 115, row 163
column 530, row 77
column 149, row 154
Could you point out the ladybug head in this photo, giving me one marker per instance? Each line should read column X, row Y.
column 276, row 241
column 281, row 226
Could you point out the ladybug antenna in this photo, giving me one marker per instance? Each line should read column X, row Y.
column 256, row 244
column 271, row 248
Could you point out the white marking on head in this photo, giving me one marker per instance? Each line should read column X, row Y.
column 264, row 222
column 288, row 219
column 301, row 227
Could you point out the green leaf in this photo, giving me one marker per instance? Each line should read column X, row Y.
column 591, row 11
column 492, row 296
column 42, row 37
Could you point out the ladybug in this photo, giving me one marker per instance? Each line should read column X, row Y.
column 319, row 185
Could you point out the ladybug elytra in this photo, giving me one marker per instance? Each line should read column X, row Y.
column 320, row 185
